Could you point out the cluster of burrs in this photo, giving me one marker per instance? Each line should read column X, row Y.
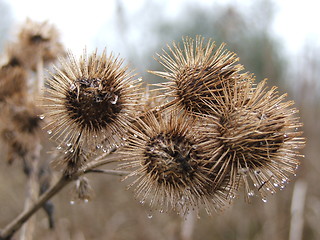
column 194, row 140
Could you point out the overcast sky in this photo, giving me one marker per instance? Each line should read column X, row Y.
column 79, row 22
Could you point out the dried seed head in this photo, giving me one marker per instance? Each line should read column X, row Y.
column 82, row 191
column 13, row 85
column 20, row 129
column 198, row 73
column 39, row 40
column 12, row 54
column 175, row 167
column 70, row 158
column 260, row 138
column 92, row 97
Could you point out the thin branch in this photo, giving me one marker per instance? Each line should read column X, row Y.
column 109, row 172
column 32, row 192
column 13, row 226
column 297, row 210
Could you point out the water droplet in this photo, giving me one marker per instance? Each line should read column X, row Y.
column 152, row 149
column 68, row 144
column 99, row 99
column 59, row 147
column 161, row 211
column 243, row 170
column 49, row 132
column 124, row 139
column 251, row 193
column 115, row 100
column 276, row 184
column 72, row 87
column 149, row 215
column 284, row 180
column 135, row 135
column 72, row 202
column 41, row 117
column 86, row 200
column 142, row 202
column 232, row 196
column 285, row 135
column 264, row 200
column 99, row 146
column 71, row 150
column 104, row 150
column 257, row 172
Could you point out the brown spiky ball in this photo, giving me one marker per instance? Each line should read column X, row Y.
column 91, row 99
column 197, row 73
column 260, row 135
column 175, row 167
column 13, row 84
column 38, row 41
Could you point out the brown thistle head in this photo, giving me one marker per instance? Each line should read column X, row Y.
column 175, row 168
column 39, row 40
column 197, row 73
column 20, row 128
column 90, row 99
column 260, row 135
column 13, row 83
column 81, row 191
column 70, row 158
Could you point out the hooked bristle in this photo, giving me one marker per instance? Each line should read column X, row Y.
column 175, row 164
column 198, row 73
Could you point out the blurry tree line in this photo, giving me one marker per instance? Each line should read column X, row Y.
column 245, row 31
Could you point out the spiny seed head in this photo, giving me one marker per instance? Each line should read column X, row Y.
column 13, row 84
column 20, row 129
column 39, row 40
column 82, row 191
column 259, row 132
column 175, row 169
column 92, row 97
column 70, row 158
column 12, row 54
column 198, row 72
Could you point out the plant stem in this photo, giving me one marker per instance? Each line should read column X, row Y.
column 32, row 192
column 108, row 171
column 13, row 226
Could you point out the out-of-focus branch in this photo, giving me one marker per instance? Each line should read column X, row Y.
column 12, row 227
column 7, row 232
column 32, row 192
column 297, row 210
column 187, row 226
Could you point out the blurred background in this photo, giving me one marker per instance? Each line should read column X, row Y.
column 278, row 40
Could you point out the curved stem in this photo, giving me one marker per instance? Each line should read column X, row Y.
column 13, row 226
